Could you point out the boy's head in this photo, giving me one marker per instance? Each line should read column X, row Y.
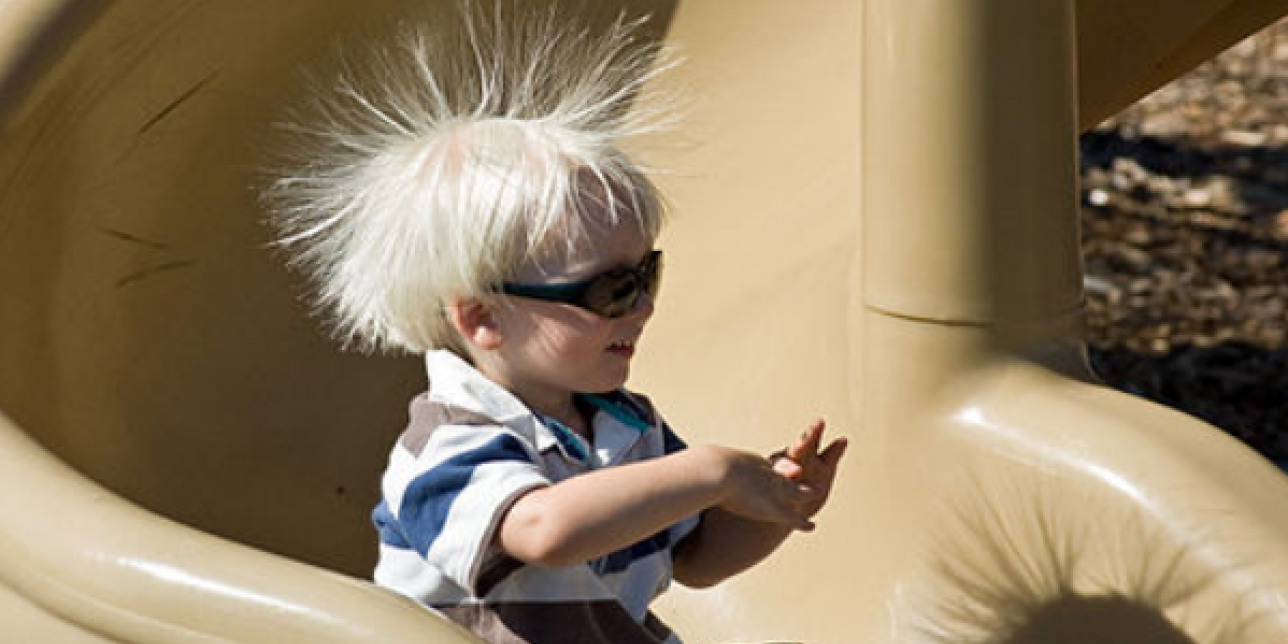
column 446, row 168
column 566, row 325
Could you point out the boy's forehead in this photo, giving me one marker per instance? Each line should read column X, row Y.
column 600, row 248
column 604, row 229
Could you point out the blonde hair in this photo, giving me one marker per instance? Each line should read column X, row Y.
column 446, row 163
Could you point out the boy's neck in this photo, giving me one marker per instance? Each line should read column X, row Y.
column 564, row 407
column 572, row 415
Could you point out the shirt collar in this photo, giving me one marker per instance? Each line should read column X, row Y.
column 456, row 382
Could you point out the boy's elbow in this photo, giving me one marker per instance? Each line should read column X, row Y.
column 547, row 552
column 529, row 535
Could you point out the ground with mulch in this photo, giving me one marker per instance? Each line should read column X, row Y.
column 1185, row 237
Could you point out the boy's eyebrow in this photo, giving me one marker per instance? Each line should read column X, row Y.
column 562, row 274
column 623, row 265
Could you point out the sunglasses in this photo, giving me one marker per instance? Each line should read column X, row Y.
column 611, row 294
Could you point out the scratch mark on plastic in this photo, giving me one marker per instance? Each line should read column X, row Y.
column 152, row 271
column 169, row 109
column 134, row 239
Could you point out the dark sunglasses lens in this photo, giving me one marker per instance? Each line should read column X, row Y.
column 651, row 274
column 613, row 295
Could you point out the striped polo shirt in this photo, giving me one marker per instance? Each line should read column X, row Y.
column 470, row 450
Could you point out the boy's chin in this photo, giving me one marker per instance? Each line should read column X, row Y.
column 610, row 382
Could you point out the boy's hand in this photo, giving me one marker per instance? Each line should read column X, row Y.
column 803, row 463
column 758, row 502
column 753, row 489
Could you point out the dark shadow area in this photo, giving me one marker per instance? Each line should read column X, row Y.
column 1185, row 248
column 1077, row 619
column 1056, row 558
column 1100, row 620
column 1240, row 189
column 1174, row 157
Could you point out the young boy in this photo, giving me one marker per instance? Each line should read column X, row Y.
column 485, row 215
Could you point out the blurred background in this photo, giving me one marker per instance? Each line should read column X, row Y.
column 1185, row 241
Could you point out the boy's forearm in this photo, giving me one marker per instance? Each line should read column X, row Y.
column 724, row 546
column 592, row 515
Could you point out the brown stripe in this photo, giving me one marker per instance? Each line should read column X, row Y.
column 494, row 572
column 597, row 622
column 656, row 627
column 426, row 416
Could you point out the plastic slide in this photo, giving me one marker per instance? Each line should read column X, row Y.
column 875, row 222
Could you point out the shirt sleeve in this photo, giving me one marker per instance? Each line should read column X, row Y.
column 461, row 485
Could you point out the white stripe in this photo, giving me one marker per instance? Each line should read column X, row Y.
column 404, row 572
column 397, row 477
column 447, row 441
column 467, row 535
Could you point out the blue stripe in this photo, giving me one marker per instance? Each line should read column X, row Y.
column 429, row 498
column 671, row 443
column 622, row 559
column 620, row 406
column 387, row 527
column 565, row 437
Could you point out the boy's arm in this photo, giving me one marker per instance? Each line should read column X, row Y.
column 592, row 515
column 722, row 546
column 726, row 544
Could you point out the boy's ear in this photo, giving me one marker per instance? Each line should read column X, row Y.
column 476, row 323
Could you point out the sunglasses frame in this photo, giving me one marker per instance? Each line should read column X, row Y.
column 645, row 276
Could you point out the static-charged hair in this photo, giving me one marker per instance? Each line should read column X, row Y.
column 440, row 166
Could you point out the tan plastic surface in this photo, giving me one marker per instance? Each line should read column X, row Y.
column 151, row 346
column 103, row 566
column 989, row 485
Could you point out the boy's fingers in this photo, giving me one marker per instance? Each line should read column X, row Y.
column 797, row 520
column 832, row 455
column 788, row 468
column 788, row 508
column 814, row 435
column 794, row 494
column 785, row 465
column 807, row 444
column 797, row 451
column 807, row 497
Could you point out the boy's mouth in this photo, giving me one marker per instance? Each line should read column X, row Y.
column 625, row 348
